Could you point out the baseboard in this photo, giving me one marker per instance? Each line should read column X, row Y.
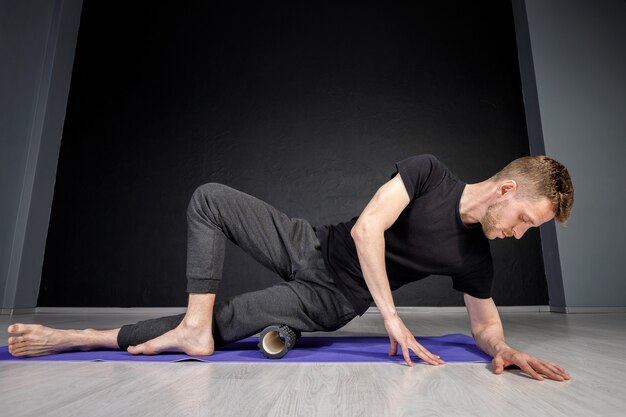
column 512, row 309
column 588, row 310
column 97, row 310
column 14, row 311
column 371, row 310
column 462, row 309
column 180, row 310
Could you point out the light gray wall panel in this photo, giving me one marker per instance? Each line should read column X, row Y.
column 579, row 56
column 37, row 43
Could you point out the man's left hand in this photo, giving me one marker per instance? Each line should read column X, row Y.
column 533, row 366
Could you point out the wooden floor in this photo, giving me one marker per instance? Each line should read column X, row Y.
column 591, row 347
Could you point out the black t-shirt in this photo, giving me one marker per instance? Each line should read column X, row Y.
column 427, row 238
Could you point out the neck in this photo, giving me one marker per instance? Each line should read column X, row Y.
column 474, row 201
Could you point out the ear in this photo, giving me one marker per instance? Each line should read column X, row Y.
column 507, row 189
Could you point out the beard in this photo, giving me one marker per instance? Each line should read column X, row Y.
column 489, row 222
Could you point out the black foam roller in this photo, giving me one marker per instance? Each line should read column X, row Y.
column 276, row 340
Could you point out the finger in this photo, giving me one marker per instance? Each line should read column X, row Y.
column 529, row 370
column 405, row 353
column 436, row 358
column 426, row 356
column 544, row 370
column 393, row 348
column 548, row 370
column 498, row 365
column 555, row 369
column 424, row 353
column 561, row 370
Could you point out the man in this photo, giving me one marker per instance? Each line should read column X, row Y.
column 423, row 221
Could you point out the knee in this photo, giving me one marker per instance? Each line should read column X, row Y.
column 209, row 189
column 205, row 194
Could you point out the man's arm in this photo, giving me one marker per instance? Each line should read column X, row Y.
column 489, row 336
column 368, row 234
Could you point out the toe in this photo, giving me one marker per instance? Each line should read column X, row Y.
column 20, row 352
column 23, row 328
column 19, row 340
column 14, row 350
column 14, row 328
column 144, row 349
column 16, row 339
column 135, row 350
column 16, row 346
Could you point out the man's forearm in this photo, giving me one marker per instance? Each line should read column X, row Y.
column 491, row 339
column 371, row 252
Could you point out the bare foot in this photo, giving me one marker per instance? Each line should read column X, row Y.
column 37, row 340
column 194, row 340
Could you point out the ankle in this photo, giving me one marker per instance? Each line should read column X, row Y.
column 193, row 322
column 75, row 338
column 92, row 338
column 201, row 304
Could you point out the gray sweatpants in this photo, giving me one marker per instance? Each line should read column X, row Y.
column 307, row 300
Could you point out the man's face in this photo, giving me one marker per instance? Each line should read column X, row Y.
column 513, row 217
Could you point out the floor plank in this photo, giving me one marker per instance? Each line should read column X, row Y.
column 591, row 347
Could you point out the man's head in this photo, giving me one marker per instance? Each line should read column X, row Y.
column 527, row 193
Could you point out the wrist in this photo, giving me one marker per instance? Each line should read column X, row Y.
column 389, row 315
column 500, row 347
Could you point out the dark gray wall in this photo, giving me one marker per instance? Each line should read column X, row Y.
column 579, row 54
column 305, row 107
column 37, row 40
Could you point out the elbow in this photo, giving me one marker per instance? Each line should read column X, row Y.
column 366, row 231
column 358, row 231
column 354, row 232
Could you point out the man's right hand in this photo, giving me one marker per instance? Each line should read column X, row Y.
column 368, row 234
column 400, row 335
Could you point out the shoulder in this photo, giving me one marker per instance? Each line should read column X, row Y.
column 423, row 172
column 424, row 158
column 425, row 163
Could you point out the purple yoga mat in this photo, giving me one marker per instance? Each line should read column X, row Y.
column 452, row 348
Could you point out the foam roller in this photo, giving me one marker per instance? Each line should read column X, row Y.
column 276, row 340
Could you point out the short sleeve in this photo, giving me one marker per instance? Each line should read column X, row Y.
column 477, row 283
column 420, row 173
